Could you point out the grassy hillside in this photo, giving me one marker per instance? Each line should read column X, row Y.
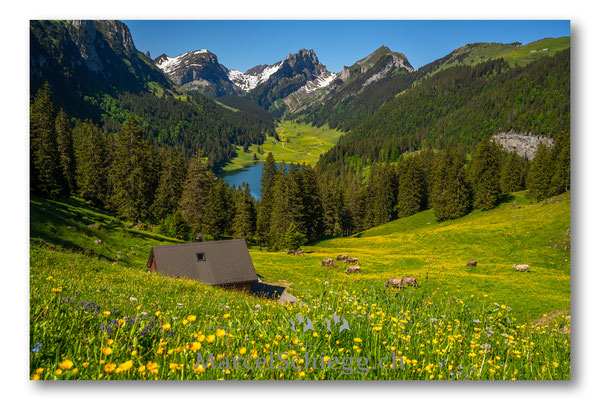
column 521, row 55
column 96, row 313
column 437, row 252
column 299, row 143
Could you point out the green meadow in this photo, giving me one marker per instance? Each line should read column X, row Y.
column 96, row 313
column 299, row 143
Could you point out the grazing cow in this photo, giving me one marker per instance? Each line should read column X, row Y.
column 351, row 260
column 394, row 282
column 521, row 267
column 353, row 269
column 290, row 252
column 328, row 261
column 300, row 253
column 409, row 281
column 472, row 263
column 342, row 257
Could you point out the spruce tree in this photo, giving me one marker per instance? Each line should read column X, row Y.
column 44, row 156
column 132, row 175
column 412, row 189
column 514, row 171
column 539, row 179
column 245, row 216
column 561, row 154
column 383, row 193
column 451, row 193
column 265, row 207
column 195, row 197
column 91, row 162
column 64, row 138
column 170, row 184
column 485, row 175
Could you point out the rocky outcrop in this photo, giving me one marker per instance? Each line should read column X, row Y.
column 524, row 144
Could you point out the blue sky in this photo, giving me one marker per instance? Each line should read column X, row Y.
column 242, row 44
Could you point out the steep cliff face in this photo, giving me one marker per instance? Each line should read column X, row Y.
column 88, row 58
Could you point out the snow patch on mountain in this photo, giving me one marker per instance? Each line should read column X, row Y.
column 248, row 81
column 169, row 64
column 319, row 82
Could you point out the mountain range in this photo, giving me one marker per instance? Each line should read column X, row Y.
column 94, row 68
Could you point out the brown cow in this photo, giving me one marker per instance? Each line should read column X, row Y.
column 472, row 263
column 351, row 260
column 300, row 253
column 328, row 261
column 353, row 269
column 409, row 280
column 342, row 257
column 290, row 252
column 394, row 282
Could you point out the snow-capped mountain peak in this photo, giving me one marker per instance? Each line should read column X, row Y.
column 254, row 76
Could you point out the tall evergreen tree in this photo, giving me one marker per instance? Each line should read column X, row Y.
column 412, row 189
column 265, row 207
column 132, row 175
column 514, row 171
column 195, row 197
column 451, row 193
column 170, row 184
column 245, row 216
column 485, row 175
column 92, row 162
column 313, row 208
column 383, row 193
column 561, row 154
column 44, row 156
column 539, row 179
column 64, row 138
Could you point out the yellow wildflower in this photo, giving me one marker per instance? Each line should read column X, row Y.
column 66, row 364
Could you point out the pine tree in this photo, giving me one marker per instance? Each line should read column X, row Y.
column 64, row 138
column 195, row 196
column 412, row 189
column 451, row 193
column 539, row 179
column 132, row 175
column 91, row 162
column 293, row 238
column 383, row 193
column 265, row 207
column 280, row 215
column 561, row 154
column 313, row 208
column 44, row 156
column 170, row 184
column 485, row 175
column 245, row 216
column 514, row 171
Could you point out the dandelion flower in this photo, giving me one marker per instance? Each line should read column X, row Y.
column 243, row 350
column 210, row 338
column 191, row 318
column 166, row 327
column 110, row 367
column 58, row 371
column 107, row 351
column 220, row 333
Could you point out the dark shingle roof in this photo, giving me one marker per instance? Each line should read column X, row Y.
column 226, row 262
